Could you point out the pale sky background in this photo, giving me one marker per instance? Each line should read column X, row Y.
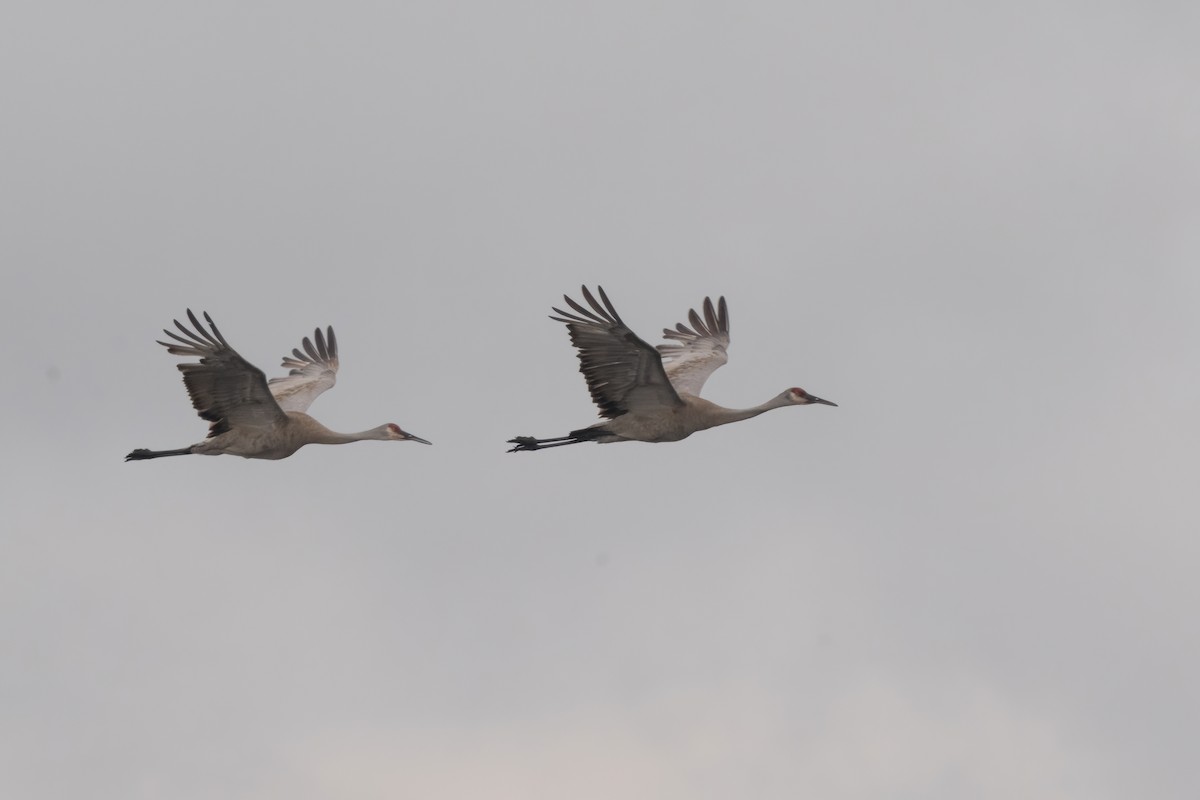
column 976, row 227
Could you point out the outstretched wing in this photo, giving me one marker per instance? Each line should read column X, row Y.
column 701, row 349
column 623, row 373
column 312, row 372
column 226, row 389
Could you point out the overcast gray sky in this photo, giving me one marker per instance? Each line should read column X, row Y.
column 975, row 227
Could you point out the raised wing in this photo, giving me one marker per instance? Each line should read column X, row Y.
column 701, row 349
column 312, row 372
column 226, row 389
column 623, row 373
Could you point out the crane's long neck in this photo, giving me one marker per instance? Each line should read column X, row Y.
column 319, row 434
column 720, row 415
column 333, row 437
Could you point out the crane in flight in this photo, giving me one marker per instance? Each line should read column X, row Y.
column 250, row 416
column 648, row 394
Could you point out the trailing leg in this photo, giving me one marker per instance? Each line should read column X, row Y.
column 141, row 454
column 527, row 444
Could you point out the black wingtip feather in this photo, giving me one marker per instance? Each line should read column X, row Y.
column 585, row 312
column 200, row 328
column 608, row 304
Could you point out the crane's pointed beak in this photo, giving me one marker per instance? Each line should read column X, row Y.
column 408, row 437
column 814, row 399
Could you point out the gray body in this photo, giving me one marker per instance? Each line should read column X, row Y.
column 249, row 416
column 651, row 394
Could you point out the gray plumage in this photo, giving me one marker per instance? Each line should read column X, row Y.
column 249, row 416
column 645, row 393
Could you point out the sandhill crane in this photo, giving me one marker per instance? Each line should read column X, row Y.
column 251, row 417
column 650, row 395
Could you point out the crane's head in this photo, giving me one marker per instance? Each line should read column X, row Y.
column 799, row 397
column 392, row 432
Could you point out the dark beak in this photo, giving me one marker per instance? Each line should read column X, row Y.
column 815, row 399
column 408, row 437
